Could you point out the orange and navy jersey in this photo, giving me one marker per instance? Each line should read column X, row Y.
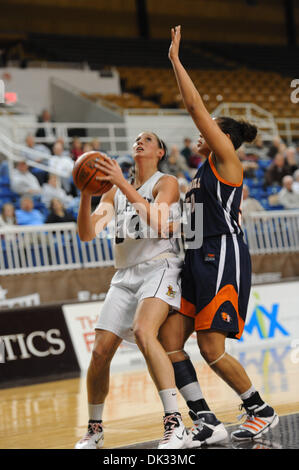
column 221, row 201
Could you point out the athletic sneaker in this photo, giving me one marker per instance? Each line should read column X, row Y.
column 94, row 438
column 207, row 429
column 176, row 435
column 259, row 419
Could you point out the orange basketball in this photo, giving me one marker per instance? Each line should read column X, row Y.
column 84, row 174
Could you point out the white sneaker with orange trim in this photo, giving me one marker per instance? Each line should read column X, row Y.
column 94, row 438
column 259, row 419
column 176, row 435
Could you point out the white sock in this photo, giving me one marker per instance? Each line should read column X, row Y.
column 95, row 412
column 169, row 400
column 248, row 393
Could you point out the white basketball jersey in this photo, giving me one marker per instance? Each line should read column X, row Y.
column 135, row 242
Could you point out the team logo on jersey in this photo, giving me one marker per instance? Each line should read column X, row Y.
column 226, row 317
column 210, row 257
column 170, row 292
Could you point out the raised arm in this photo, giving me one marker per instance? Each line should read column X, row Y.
column 217, row 141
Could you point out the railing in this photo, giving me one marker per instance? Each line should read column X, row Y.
column 272, row 232
column 52, row 247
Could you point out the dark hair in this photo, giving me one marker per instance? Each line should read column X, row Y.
column 239, row 131
column 162, row 146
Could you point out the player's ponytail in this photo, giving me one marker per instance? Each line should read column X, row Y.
column 239, row 131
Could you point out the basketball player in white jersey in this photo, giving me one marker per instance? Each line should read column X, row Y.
column 145, row 286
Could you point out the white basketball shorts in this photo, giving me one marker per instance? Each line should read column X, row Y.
column 158, row 278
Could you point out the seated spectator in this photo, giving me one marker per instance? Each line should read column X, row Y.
column 249, row 204
column 31, row 145
column 195, row 158
column 287, row 197
column 63, row 164
column 76, row 148
column 52, row 189
column 22, row 181
column 249, row 165
column 47, row 131
column 277, row 145
column 96, row 145
column 257, row 149
column 8, row 215
column 27, row 215
column 87, row 147
column 277, row 170
column 174, row 163
column 186, row 151
column 58, row 213
column 291, row 158
column 295, row 186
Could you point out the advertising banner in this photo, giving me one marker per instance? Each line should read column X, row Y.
column 272, row 318
column 35, row 344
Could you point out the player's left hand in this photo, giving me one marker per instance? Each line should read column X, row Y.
column 175, row 43
column 112, row 170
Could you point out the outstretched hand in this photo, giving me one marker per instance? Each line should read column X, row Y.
column 175, row 43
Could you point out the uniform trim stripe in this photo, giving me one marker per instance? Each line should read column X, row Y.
column 221, row 262
column 237, row 256
column 219, row 178
column 160, row 283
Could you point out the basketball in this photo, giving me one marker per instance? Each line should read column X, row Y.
column 84, row 174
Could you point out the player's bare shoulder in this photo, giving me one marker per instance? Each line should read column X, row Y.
column 167, row 183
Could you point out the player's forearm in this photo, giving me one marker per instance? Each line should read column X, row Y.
column 155, row 215
column 85, row 227
column 189, row 93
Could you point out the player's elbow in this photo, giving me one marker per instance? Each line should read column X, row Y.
column 85, row 236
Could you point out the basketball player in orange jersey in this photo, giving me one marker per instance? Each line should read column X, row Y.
column 216, row 278
column 145, row 286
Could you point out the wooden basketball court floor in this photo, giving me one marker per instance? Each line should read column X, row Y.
column 53, row 415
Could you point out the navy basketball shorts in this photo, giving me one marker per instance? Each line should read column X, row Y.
column 216, row 281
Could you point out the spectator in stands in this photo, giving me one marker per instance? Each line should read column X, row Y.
column 276, row 146
column 249, row 204
column 8, row 215
column 47, row 131
column 31, row 145
column 23, row 181
column 186, row 151
column 76, row 148
column 257, row 149
column 63, row 164
column 52, row 189
column 195, row 158
column 27, row 215
column 291, row 158
column 249, row 165
column 287, row 197
column 96, row 145
column 295, row 186
column 58, row 213
column 174, row 163
column 277, row 170
column 87, row 147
